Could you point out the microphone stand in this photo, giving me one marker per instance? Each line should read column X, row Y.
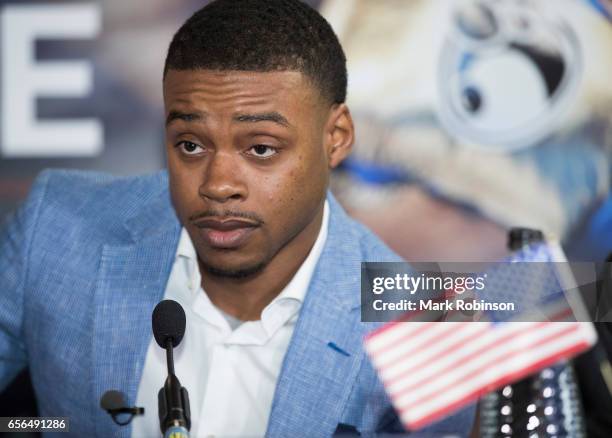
column 173, row 402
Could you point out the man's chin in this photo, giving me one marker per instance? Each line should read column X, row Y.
column 235, row 272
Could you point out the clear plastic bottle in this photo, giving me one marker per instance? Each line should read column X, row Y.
column 545, row 404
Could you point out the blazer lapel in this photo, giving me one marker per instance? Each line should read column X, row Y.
column 325, row 353
column 132, row 280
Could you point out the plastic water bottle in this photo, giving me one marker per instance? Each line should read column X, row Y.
column 546, row 404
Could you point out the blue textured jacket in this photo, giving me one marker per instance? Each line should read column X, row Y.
column 85, row 260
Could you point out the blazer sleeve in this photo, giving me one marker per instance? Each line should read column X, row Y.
column 15, row 246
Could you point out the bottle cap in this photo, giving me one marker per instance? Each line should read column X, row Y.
column 519, row 237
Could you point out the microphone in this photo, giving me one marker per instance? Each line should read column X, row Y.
column 113, row 402
column 173, row 400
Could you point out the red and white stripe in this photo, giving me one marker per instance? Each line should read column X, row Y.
column 431, row 369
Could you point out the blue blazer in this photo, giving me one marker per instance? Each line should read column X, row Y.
column 85, row 260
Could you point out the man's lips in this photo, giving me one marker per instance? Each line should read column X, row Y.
column 226, row 233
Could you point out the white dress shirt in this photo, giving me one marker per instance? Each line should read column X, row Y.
column 230, row 374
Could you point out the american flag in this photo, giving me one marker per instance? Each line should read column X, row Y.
column 431, row 369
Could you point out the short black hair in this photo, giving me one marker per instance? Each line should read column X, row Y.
column 262, row 35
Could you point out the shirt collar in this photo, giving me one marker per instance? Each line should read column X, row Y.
column 298, row 285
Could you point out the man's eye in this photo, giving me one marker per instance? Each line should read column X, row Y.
column 262, row 151
column 189, row 148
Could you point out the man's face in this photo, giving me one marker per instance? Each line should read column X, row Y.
column 248, row 159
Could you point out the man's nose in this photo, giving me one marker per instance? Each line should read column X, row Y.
column 222, row 179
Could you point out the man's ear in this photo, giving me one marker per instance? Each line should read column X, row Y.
column 339, row 134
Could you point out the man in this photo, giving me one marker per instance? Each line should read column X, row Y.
column 264, row 261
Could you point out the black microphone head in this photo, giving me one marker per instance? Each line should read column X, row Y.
column 168, row 322
column 112, row 400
